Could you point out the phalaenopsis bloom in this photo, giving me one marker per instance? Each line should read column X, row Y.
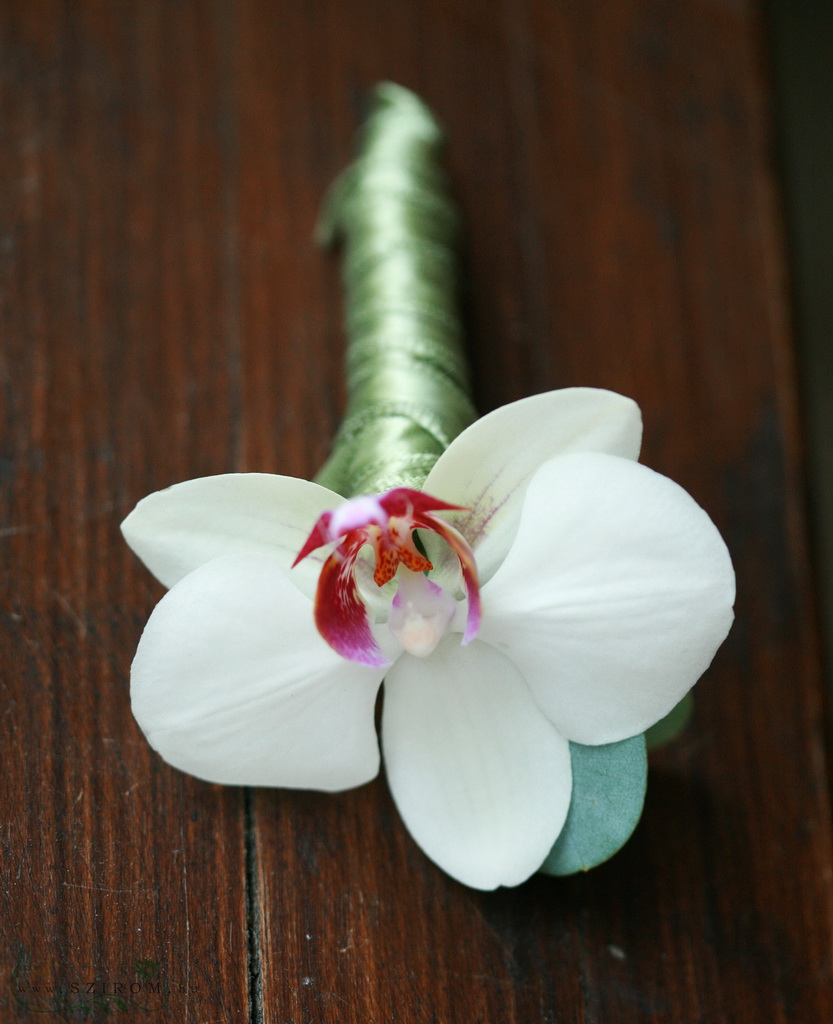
column 541, row 587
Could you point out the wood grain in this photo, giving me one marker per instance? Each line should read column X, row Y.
column 115, row 383
column 165, row 314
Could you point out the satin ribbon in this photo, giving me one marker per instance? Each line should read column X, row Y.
column 407, row 379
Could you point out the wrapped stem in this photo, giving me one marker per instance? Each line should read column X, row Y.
column 407, row 379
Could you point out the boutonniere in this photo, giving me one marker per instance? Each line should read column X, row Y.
column 529, row 598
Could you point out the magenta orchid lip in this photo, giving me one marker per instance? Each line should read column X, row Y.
column 387, row 523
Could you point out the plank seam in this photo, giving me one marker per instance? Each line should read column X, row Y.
column 254, row 960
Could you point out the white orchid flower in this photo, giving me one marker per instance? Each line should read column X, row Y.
column 572, row 595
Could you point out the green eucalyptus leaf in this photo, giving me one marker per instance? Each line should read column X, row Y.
column 609, row 784
column 670, row 727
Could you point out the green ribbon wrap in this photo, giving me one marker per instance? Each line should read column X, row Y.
column 407, row 378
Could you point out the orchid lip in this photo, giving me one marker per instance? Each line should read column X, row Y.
column 419, row 614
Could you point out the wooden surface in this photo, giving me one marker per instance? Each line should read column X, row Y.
column 165, row 314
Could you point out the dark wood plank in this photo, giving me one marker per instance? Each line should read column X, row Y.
column 113, row 216
column 613, row 162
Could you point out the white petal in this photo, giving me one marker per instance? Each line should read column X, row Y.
column 487, row 468
column 481, row 779
column 176, row 530
column 232, row 683
column 615, row 595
